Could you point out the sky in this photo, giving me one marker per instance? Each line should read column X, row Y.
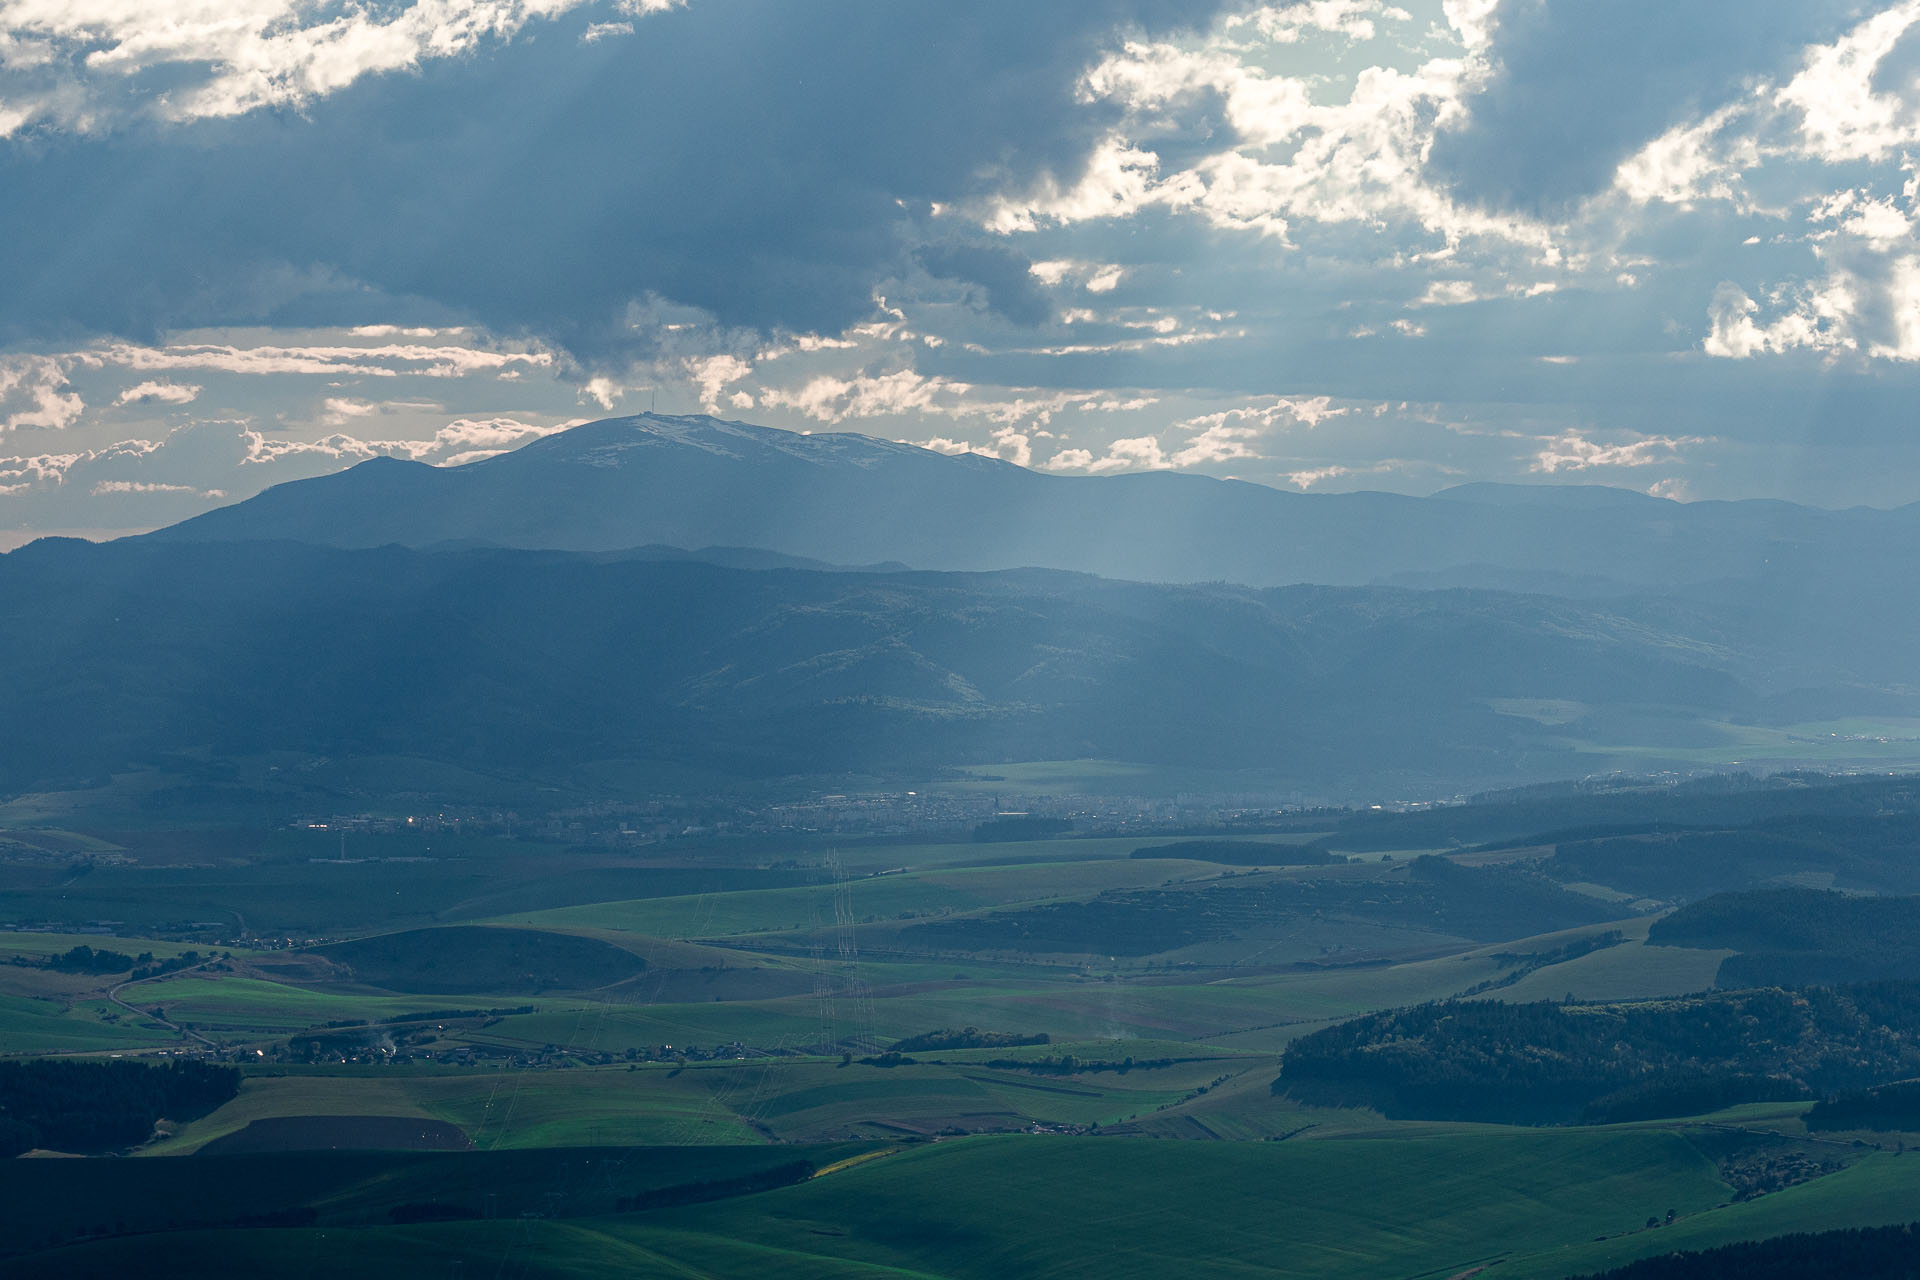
column 1328, row 245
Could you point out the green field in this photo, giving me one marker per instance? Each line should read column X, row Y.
column 29, row 1026
column 911, row 894
column 1880, row 1190
column 1097, row 777
column 583, row 1047
column 1063, row 1206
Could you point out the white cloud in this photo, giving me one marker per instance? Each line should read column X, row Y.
column 1863, row 303
column 1472, row 19
column 158, row 393
column 384, row 361
column 177, row 475
column 1005, row 443
column 1572, row 451
column 1307, row 411
column 336, row 411
column 1216, row 444
column 832, row 399
column 1288, row 23
column 403, row 331
column 1448, row 293
column 460, row 441
column 1119, row 181
column 1702, row 160
column 1014, row 446
column 1844, row 115
column 1307, row 477
column 77, row 64
column 34, row 392
column 467, row 440
column 602, row 390
column 46, row 470
column 1142, row 452
column 713, row 374
column 1094, row 277
column 1225, row 435
column 1069, row 460
column 104, row 487
column 1299, row 154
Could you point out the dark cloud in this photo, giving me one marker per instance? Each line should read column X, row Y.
column 1582, row 84
column 1005, row 278
column 765, row 161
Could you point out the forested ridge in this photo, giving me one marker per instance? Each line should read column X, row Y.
column 1876, row 851
column 1892, row 1106
column 1546, row 1063
column 1800, row 937
column 95, row 1107
column 1870, row 1253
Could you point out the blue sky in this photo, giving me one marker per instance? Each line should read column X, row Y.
column 1327, row 245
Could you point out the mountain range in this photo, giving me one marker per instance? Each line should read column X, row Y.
column 674, row 593
column 850, row 499
column 528, row 662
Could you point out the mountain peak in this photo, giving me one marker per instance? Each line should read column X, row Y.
column 618, row 442
column 849, row 499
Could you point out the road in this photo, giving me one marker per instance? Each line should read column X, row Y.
column 113, row 994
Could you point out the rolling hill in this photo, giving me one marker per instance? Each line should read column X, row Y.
column 530, row 661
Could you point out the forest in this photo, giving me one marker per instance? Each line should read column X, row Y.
column 1892, row 1106
column 1547, row 1063
column 1871, row 1253
column 1800, row 937
column 96, row 1107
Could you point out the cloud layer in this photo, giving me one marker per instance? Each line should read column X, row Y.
column 1340, row 243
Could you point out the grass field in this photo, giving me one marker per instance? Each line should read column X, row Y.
column 510, row 1110
column 274, row 1096
column 963, row 853
column 39, row 946
column 1070, row 1207
column 727, row 1102
column 1881, row 1190
column 32, row 1026
column 875, row 898
column 1827, row 745
column 1338, row 1208
column 243, row 1006
column 358, row 1188
column 1631, row 971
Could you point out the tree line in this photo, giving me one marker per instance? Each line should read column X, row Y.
column 1860, row 1253
column 96, row 1107
column 1546, row 1063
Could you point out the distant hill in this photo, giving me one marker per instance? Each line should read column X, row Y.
column 1831, row 583
column 523, row 661
column 1803, row 937
column 849, row 499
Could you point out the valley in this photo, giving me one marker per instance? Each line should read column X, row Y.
column 588, row 906
column 897, row 1019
